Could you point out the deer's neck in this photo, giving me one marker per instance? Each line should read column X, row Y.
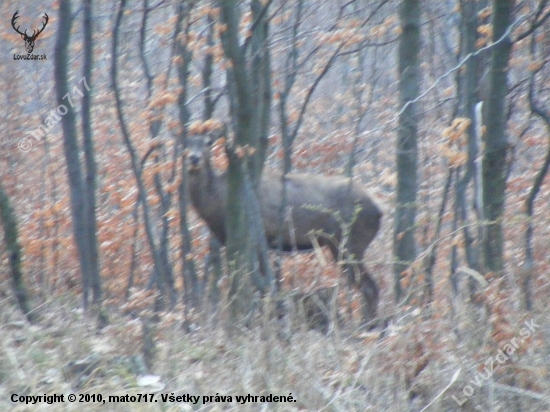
column 201, row 183
column 208, row 195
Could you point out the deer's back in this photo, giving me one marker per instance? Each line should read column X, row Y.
column 317, row 203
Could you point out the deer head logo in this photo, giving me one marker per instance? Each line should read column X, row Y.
column 29, row 40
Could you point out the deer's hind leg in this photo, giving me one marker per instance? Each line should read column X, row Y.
column 359, row 277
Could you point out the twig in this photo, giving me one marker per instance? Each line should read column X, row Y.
column 453, row 379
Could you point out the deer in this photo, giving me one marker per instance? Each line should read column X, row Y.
column 318, row 208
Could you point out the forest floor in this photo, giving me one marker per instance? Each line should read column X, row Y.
column 455, row 360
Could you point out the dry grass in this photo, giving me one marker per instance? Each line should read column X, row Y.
column 404, row 368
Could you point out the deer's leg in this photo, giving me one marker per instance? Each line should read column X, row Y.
column 353, row 271
column 361, row 279
column 369, row 290
column 348, row 268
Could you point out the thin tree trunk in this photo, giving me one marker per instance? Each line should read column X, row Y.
column 136, row 168
column 213, row 262
column 13, row 247
column 494, row 164
column 530, row 201
column 89, row 155
column 71, row 147
column 467, row 85
column 193, row 292
column 166, row 280
column 165, row 198
column 407, row 151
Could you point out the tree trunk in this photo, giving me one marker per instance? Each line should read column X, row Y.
column 529, row 207
column 159, row 275
column 71, row 147
column 165, row 197
column 213, row 262
column 467, row 85
column 494, row 156
column 407, row 152
column 89, row 155
column 190, row 279
column 246, row 247
column 13, row 248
